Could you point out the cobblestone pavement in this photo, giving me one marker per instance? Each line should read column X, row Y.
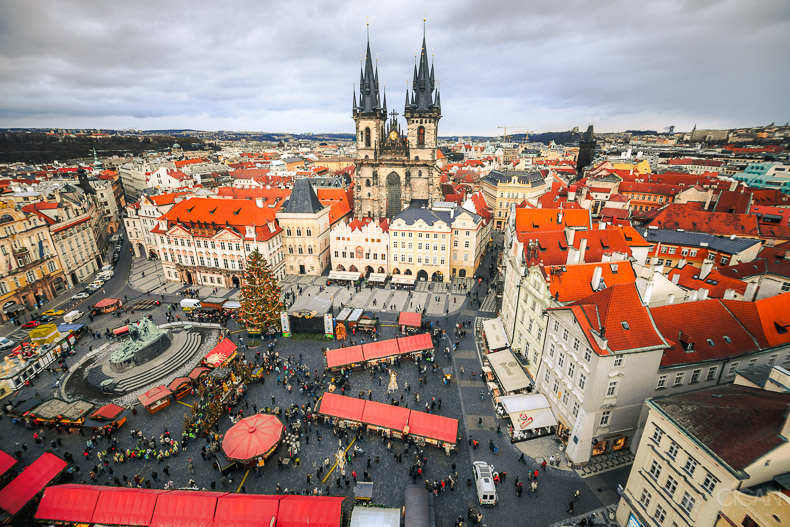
column 460, row 399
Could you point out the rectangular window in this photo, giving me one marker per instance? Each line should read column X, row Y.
column 611, row 391
column 733, row 368
column 711, row 373
column 687, row 503
column 556, row 326
column 658, row 435
column 690, row 466
column 551, row 350
column 670, row 485
column 565, row 334
column 582, row 380
column 576, row 344
column 587, row 354
column 561, row 360
column 575, row 410
column 695, row 375
column 660, row 514
column 644, row 499
column 605, row 415
column 679, row 379
column 546, row 377
column 618, row 362
column 662, row 382
column 655, row 469
column 571, row 369
column 710, row 483
column 556, row 387
column 673, row 450
column 772, row 359
column 565, row 397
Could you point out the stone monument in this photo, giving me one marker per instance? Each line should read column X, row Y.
column 146, row 341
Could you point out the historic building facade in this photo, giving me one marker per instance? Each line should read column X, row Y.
column 395, row 167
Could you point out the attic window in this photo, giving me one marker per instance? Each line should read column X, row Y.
column 727, row 339
column 236, row 213
column 190, row 209
column 710, row 342
column 625, row 325
column 212, row 211
column 781, row 327
column 711, row 281
column 613, row 267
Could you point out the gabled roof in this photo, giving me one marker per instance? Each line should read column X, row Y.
column 701, row 331
column 720, row 244
column 569, row 283
column 736, row 424
column 303, row 199
column 715, row 282
column 220, row 213
column 542, row 220
column 681, row 216
column 768, row 319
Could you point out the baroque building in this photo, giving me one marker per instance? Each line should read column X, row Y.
column 395, row 168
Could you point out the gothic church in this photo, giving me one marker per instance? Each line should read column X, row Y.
column 395, row 169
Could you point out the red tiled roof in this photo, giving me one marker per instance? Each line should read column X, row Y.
column 682, row 216
column 71, row 224
column 574, row 282
column 768, row 319
column 543, row 220
column 649, row 188
column 166, row 199
column 716, row 283
column 737, row 202
column 696, row 332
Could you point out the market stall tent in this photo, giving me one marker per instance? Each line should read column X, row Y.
column 342, row 407
column 386, row 416
column 380, row 349
column 508, row 371
column 125, row 506
column 252, row 437
column 335, row 358
column 155, row 399
column 6, row 462
column 185, row 508
column 68, row 503
column 222, row 353
column 246, row 510
column 528, row 411
column 433, row 426
column 109, row 411
column 30, row 482
column 107, row 305
column 421, row 342
column 310, row 511
column 407, row 318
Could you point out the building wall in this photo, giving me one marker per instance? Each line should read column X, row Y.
column 306, row 242
column 768, row 510
column 369, row 246
column 411, row 248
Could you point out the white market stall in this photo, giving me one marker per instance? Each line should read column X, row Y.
column 530, row 415
column 509, row 374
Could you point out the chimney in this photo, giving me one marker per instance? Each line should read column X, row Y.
column 582, row 249
column 573, row 255
column 703, row 293
column 751, row 291
column 707, row 267
column 729, row 294
column 648, row 292
column 682, row 263
column 570, row 234
column 708, row 197
column 559, row 218
column 596, row 278
column 676, row 278
column 259, row 202
column 694, row 296
column 670, row 299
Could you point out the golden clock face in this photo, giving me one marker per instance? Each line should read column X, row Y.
column 393, row 135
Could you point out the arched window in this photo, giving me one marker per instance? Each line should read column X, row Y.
column 368, row 194
column 309, row 250
column 367, row 137
column 309, row 233
column 367, row 182
column 290, row 249
column 421, row 135
column 288, row 231
column 301, row 251
column 299, row 232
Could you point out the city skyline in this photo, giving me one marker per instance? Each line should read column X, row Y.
column 292, row 69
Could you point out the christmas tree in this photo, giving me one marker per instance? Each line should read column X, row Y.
column 260, row 296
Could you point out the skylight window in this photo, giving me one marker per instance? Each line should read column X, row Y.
column 727, row 339
column 710, row 342
column 625, row 325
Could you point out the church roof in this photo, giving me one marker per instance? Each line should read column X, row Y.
column 423, row 85
column 303, row 199
column 369, row 101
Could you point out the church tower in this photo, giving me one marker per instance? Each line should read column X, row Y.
column 396, row 169
column 586, row 151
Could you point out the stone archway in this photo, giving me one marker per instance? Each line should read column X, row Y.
column 340, row 268
column 422, row 275
column 140, row 250
column 188, row 276
column 368, row 271
column 396, row 271
column 381, row 270
column 393, row 194
column 353, row 269
column 462, row 273
column 408, row 272
column 235, row 281
column 438, row 276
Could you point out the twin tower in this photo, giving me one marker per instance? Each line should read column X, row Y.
column 396, row 168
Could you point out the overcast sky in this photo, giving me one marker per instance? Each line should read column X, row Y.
column 290, row 66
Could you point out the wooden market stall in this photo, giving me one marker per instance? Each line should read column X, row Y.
column 198, row 372
column 223, row 353
column 110, row 415
column 433, row 429
column 30, row 482
column 346, row 412
column 351, row 357
column 380, row 351
column 155, row 399
column 107, row 305
column 181, row 387
column 58, row 411
column 414, row 344
column 391, row 420
column 409, row 322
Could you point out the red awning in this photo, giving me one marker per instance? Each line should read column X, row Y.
column 410, row 319
column 6, row 462
column 221, row 352
column 185, row 508
column 177, row 382
column 30, row 482
column 120, row 330
column 252, row 437
column 343, row 407
column 68, row 503
column 244, row 510
column 343, row 356
column 380, row 349
column 433, row 426
column 153, row 395
column 310, row 511
column 108, row 411
column 385, row 415
column 107, row 302
column 124, row 506
column 197, row 372
column 421, row 342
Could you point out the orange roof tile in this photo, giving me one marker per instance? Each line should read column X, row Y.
column 573, row 282
column 716, row 283
column 543, row 220
column 767, row 319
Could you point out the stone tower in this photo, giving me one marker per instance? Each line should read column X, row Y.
column 586, row 150
column 393, row 169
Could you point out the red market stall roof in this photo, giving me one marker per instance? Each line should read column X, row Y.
column 410, row 319
column 68, row 503
column 221, row 352
column 252, row 437
column 177, row 382
column 185, row 508
column 107, row 302
column 385, row 415
column 30, row 482
column 194, row 374
column 421, row 342
column 122, row 329
column 6, row 462
column 108, row 411
column 380, row 349
column 343, row 356
column 153, row 395
column 433, row 426
column 310, row 511
column 245, row 510
column 125, row 506
column 343, row 407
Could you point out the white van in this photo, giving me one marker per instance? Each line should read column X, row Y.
column 106, row 267
column 105, row 275
column 72, row 316
column 188, row 304
column 484, row 481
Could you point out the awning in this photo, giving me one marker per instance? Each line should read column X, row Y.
column 221, row 353
column 385, row 415
column 508, row 371
column 108, row 411
column 68, row 503
column 30, row 482
column 107, row 302
column 153, row 395
column 120, row 330
column 380, row 349
column 252, row 437
column 528, row 411
column 310, row 511
column 13, row 308
column 344, row 356
column 495, row 334
column 355, row 315
column 231, row 304
column 185, row 508
column 344, row 275
column 197, row 372
column 421, row 342
column 403, row 279
column 244, row 510
column 344, row 314
column 6, row 462
column 375, row 517
column 433, row 426
column 177, row 383
column 126, row 506
column 342, row 407
column 407, row 318
column 377, row 277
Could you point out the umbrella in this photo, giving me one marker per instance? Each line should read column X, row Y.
column 252, row 437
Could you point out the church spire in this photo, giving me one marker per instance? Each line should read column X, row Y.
column 424, row 83
column 369, row 99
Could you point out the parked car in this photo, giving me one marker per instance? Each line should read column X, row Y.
column 43, row 318
column 32, row 324
column 54, row 312
column 6, row 343
column 106, row 267
column 92, row 288
column 72, row 316
column 80, row 296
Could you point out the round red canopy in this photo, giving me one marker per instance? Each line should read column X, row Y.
column 252, row 437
